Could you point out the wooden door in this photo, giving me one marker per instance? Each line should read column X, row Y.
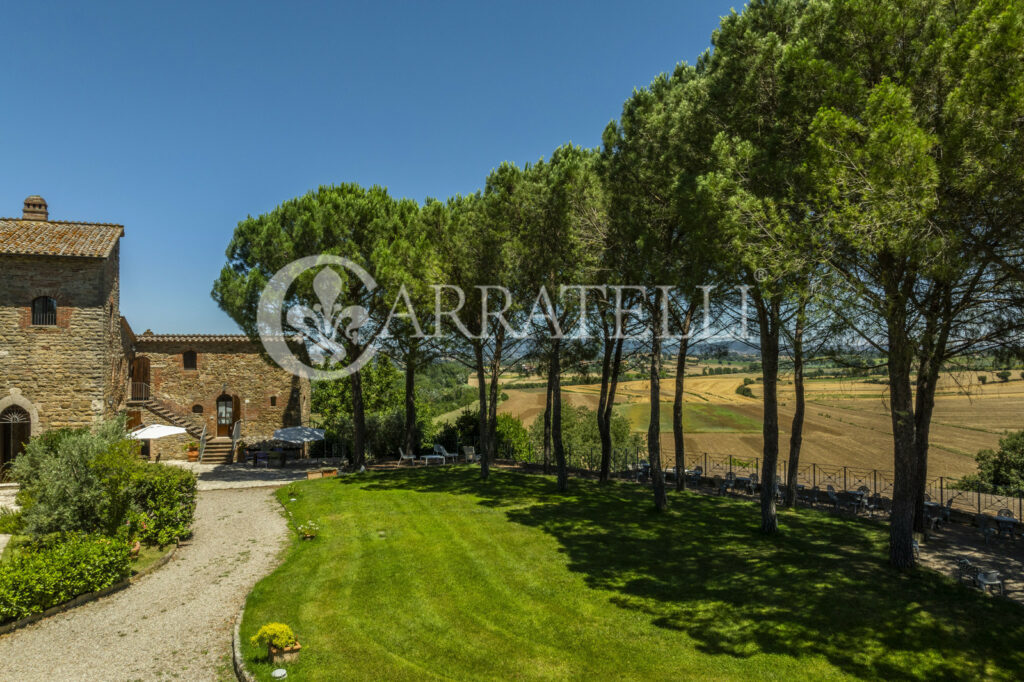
column 225, row 416
column 140, row 378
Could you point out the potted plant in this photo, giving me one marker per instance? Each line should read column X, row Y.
column 329, row 472
column 192, row 448
column 315, row 473
column 279, row 640
column 309, row 529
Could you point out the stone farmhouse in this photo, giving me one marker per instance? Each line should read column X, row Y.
column 69, row 359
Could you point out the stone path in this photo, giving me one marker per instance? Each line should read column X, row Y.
column 176, row 622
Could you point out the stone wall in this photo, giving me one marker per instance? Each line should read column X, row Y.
column 61, row 370
column 234, row 368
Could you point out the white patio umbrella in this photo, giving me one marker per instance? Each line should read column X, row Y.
column 299, row 434
column 154, row 431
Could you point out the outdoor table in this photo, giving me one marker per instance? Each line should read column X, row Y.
column 432, row 457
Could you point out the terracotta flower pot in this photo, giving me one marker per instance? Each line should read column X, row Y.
column 285, row 655
column 193, row 455
column 136, row 548
column 330, row 473
column 314, row 474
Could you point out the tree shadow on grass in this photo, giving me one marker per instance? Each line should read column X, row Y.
column 819, row 588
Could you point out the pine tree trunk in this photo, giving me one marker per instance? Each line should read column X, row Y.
column 606, row 405
column 556, row 415
column 677, row 405
column 768, row 316
column 654, row 426
column 358, row 421
column 796, row 434
column 410, row 402
column 905, row 480
column 492, row 408
column 547, row 421
column 481, row 383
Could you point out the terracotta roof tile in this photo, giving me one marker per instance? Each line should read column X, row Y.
column 150, row 337
column 58, row 238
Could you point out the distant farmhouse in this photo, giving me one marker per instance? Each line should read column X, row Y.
column 68, row 358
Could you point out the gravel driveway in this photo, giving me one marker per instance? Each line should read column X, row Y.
column 176, row 622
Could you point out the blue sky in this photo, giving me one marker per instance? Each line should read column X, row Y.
column 180, row 119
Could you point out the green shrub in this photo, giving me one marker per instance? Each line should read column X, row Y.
column 163, row 503
column 744, row 390
column 76, row 479
column 92, row 481
column 1003, row 375
column 10, row 522
column 57, row 569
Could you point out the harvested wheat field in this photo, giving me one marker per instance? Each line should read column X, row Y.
column 847, row 421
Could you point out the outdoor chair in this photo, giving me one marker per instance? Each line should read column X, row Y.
column 694, row 477
column 718, row 484
column 874, row 504
column 1006, row 513
column 947, row 511
column 403, row 457
column 988, row 531
column 752, row 484
column 261, row 458
column 445, row 455
column 917, row 550
column 988, row 580
column 730, row 480
column 470, row 453
column 804, row 496
column 966, row 572
column 833, row 499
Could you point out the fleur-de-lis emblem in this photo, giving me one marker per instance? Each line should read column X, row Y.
column 320, row 325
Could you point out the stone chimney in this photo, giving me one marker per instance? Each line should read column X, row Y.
column 35, row 209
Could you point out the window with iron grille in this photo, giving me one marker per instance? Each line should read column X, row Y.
column 44, row 311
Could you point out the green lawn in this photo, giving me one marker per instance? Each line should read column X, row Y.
column 429, row 573
column 697, row 418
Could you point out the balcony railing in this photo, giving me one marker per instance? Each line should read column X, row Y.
column 140, row 390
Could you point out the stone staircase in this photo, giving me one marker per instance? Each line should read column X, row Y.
column 172, row 417
column 218, row 451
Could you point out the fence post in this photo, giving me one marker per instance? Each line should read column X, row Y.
column 874, row 477
column 978, row 495
column 942, row 493
column 705, row 464
column 845, row 487
column 730, row 464
column 814, row 475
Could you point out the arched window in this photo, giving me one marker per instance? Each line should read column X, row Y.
column 188, row 359
column 44, row 311
column 15, row 430
column 197, row 409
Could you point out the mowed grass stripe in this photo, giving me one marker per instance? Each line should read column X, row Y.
column 433, row 574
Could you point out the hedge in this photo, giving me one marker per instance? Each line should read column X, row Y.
column 58, row 569
column 163, row 500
